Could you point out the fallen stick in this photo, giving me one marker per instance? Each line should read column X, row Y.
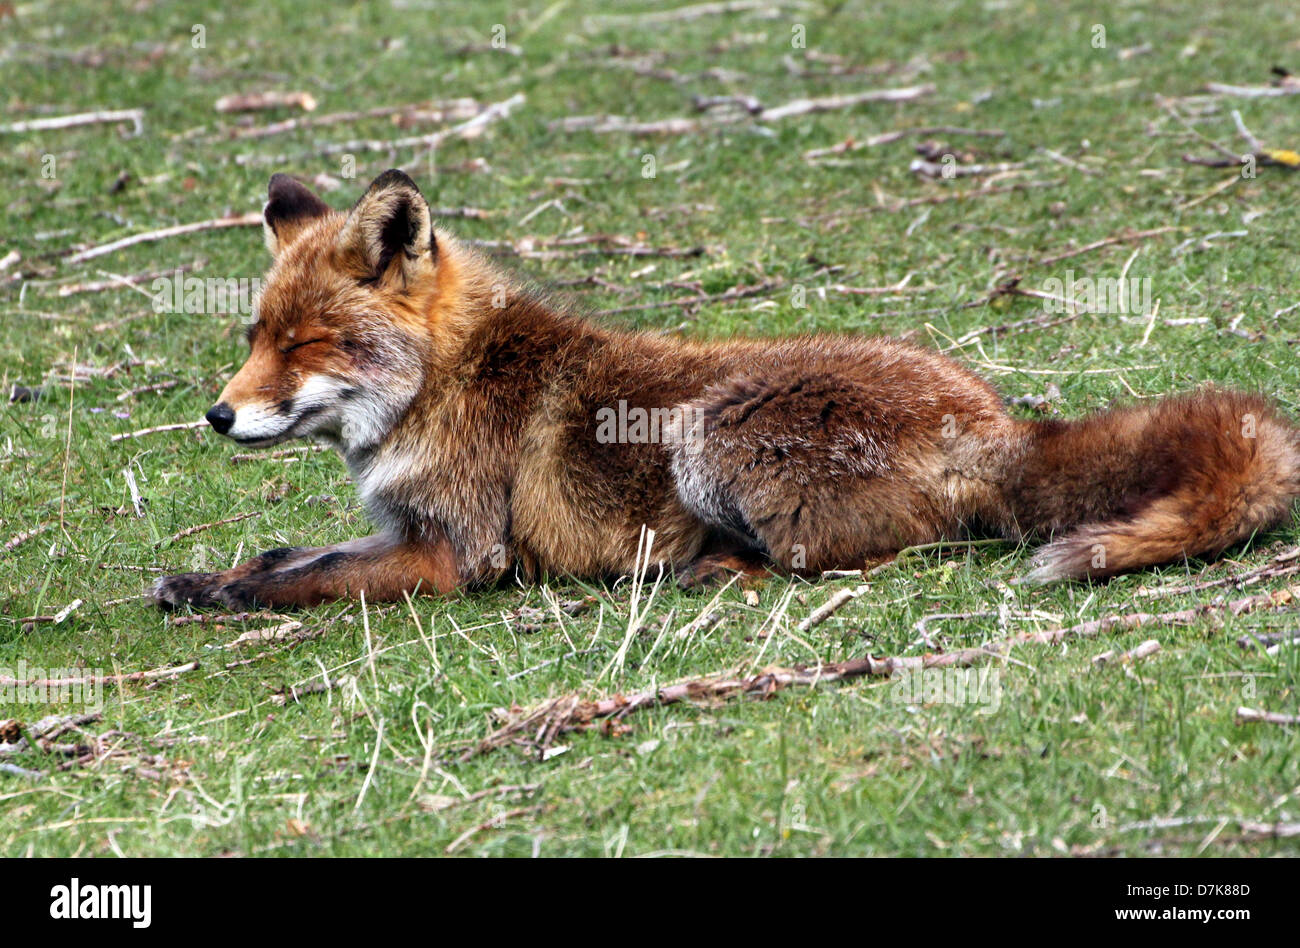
column 831, row 103
column 116, row 282
column 830, row 607
column 190, row 531
column 134, row 116
column 179, row 426
column 467, row 129
column 1147, row 648
column 497, row 820
column 1253, row 92
column 936, row 169
column 447, row 111
column 150, row 675
column 680, row 125
column 20, row 538
column 15, row 770
column 1124, row 238
column 885, row 138
column 252, row 219
column 259, row 101
column 571, row 712
column 148, row 389
column 683, row 14
column 1252, row 716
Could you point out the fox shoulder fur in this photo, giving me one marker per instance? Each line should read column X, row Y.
column 494, row 434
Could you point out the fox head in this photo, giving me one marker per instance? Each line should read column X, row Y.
column 342, row 330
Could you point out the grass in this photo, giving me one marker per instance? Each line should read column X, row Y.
column 208, row 763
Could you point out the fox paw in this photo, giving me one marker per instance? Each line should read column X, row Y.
column 238, row 596
column 186, row 589
column 715, row 570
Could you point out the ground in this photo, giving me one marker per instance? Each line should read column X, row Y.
column 1056, row 755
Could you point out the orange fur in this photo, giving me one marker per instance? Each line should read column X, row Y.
column 474, row 415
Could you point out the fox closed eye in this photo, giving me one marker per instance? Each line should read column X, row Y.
column 298, row 345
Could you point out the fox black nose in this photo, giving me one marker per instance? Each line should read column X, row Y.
column 221, row 416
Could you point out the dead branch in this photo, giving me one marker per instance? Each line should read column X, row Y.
column 134, row 116
column 468, row 129
column 148, row 389
column 604, row 124
column 150, row 675
column 446, row 111
column 157, row 429
column 116, row 282
column 684, row 14
column 936, row 169
column 571, row 712
column 20, row 538
column 1147, row 648
column 259, row 101
column 1127, row 237
column 884, row 138
column 495, row 821
column 830, row 607
column 1252, row 716
column 1286, row 87
column 190, row 531
column 252, row 219
column 1282, row 564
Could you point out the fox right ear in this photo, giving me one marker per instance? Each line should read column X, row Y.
column 389, row 234
column 289, row 207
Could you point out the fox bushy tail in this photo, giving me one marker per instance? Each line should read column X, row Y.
column 1137, row 486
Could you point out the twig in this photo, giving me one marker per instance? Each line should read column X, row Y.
column 20, row 538
column 259, row 101
column 134, row 116
column 1253, row 92
column 571, row 712
column 150, row 675
column 114, row 282
column 1149, row 647
column 446, row 111
column 1252, row 716
column 179, row 426
column 242, row 220
column 190, row 531
column 830, row 607
column 602, row 124
column 466, row 129
column 495, row 821
column 885, row 138
column 1124, row 238
column 935, row 169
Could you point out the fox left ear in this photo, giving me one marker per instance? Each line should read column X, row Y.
column 390, row 230
column 290, row 205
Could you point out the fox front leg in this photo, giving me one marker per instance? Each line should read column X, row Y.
column 381, row 568
column 199, row 589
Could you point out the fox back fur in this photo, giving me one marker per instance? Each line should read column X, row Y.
column 492, row 433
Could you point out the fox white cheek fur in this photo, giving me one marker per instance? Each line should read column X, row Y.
column 257, row 422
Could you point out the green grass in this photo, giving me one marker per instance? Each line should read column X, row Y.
column 207, row 763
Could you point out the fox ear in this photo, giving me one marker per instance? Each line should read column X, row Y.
column 390, row 230
column 290, row 205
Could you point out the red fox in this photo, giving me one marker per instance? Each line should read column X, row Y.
column 492, row 433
